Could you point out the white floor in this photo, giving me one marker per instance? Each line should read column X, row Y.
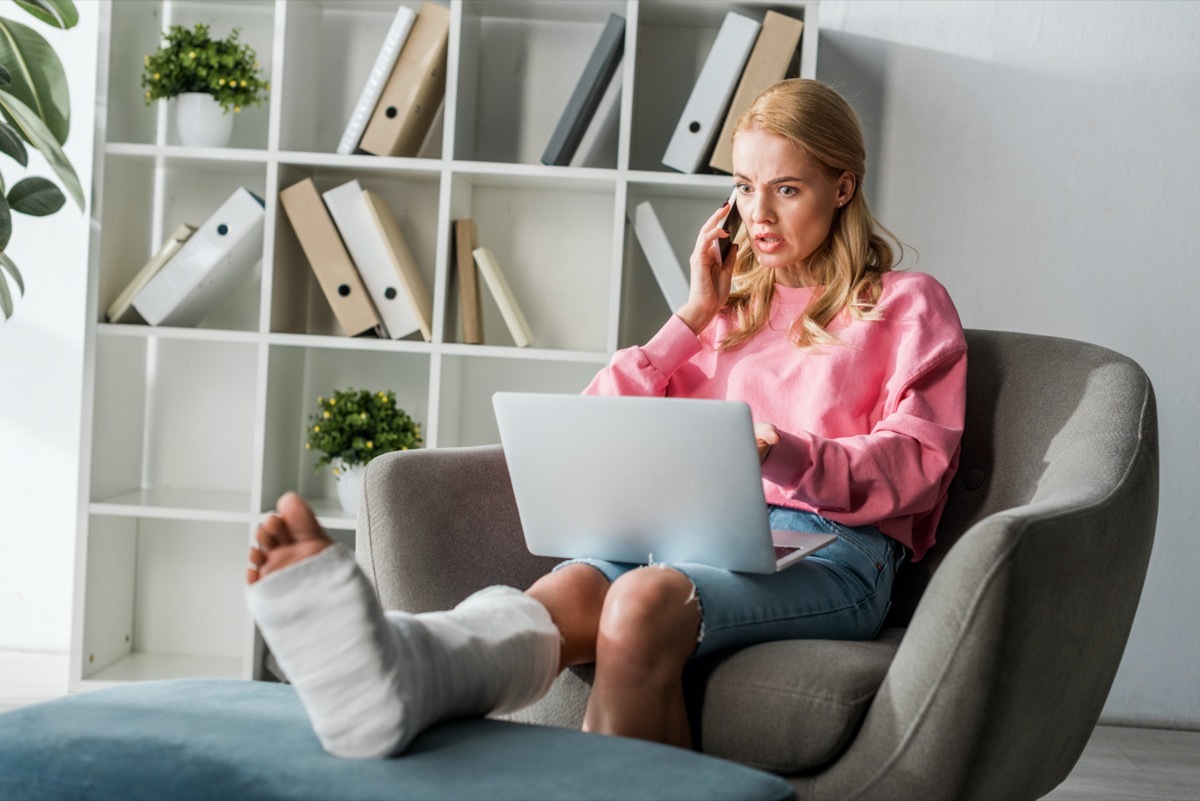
column 1118, row 763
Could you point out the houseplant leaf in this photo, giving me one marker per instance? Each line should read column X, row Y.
column 12, row 146
column 38, row 78
column 7, row 263
column 36, row 197
column 5, row 223
column 32, row 127
column 6, row 304
column 59, row 13
column 5, row 76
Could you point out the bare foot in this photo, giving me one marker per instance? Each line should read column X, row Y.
column 291, row 535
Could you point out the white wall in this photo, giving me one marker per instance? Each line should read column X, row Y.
column 41, row 365
column 1044, row 158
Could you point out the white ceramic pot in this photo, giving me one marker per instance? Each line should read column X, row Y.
column 349, row 483
column 201, row 121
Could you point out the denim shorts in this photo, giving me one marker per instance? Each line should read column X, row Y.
column 842, row 592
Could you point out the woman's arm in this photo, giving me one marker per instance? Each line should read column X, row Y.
column 898, row 469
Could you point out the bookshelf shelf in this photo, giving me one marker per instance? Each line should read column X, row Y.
column 191, row 433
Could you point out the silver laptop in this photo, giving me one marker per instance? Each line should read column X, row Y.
column 642, row 480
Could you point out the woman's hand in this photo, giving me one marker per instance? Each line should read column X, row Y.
column 765, row 435
column 708, row 288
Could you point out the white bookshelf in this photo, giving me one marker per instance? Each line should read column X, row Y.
column 189, row 434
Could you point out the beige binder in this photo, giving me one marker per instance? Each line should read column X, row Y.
column 468, row 281
column 768, row 64
column 402, row 262
column 414, row 91
column 335, row 272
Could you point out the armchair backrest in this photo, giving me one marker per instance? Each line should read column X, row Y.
column 1047, row 419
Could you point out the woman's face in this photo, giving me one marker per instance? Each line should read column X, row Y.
column 787, row 200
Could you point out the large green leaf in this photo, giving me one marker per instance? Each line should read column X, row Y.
column 38, row 78
column 6, row 304
column 5, row 222
column 5, row 76
column 7, row 264
column 36, row 197
column 32, row 127
column 59, row 13
column 11, row 145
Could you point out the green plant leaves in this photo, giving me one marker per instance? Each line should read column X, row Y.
column 12, row 146
column 5, row 293
column 38, row 78
column 5, row 222
column 58, row 13
column 36, row 132
column 36, row 197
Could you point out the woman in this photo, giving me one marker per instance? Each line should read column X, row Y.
column 855, row 375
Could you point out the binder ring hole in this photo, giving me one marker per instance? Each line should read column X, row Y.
column 343, row 290
column 222, row 229
column 390, row 293
column 694, row 127
column 391, row 112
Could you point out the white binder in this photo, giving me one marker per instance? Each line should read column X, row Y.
column 666, row 268
column 209, row 267
column 352, row 215
column 385, row 61
column 704, row 112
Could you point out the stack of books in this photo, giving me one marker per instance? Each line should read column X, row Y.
column 361, row 260
column 747, row 57
column 198, row 268
column 405, row 88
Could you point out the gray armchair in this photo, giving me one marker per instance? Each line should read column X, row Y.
column 1001, row 645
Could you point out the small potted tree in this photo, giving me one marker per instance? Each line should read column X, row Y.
column 212, row 79
column 350, row 428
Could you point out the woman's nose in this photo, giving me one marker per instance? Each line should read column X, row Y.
column 756, row 208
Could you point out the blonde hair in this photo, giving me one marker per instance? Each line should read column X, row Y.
column 815, row 118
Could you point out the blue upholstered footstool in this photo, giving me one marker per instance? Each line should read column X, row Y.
column 197, row 739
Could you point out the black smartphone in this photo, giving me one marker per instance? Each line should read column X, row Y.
column 733, row 221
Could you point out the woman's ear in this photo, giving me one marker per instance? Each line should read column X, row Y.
column 846, row 185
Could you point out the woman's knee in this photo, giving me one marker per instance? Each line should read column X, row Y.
column 574, row 597
column 650, row 610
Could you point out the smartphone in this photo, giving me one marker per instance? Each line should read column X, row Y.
column 733, row 221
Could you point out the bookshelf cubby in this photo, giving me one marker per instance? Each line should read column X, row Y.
column 189, row 434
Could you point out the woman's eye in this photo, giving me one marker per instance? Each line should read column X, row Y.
column 787, row 191
column 742, row 189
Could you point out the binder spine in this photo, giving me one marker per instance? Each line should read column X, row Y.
column 663, row 263
column 580, row 109
column 384, row 63
column 693, row 137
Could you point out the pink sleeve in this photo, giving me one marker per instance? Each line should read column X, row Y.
column 646, row 369
column 900, row 468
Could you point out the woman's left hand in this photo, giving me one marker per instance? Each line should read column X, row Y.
column 765, row 435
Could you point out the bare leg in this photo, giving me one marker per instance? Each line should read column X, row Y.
column 574, row 596
column 647, row 633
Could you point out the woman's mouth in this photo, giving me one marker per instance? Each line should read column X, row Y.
column 768, row 243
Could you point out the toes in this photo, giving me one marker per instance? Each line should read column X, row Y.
column 299, row 519
column 272, row 533
column 254, row 565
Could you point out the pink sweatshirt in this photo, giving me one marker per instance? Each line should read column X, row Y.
column 869, row 429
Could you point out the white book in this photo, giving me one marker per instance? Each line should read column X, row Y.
column 385, row 61
column 351, row 214
column 705, row 109
column 121, row 308
column 209, row 267
column 666, row 268
column 498, row 286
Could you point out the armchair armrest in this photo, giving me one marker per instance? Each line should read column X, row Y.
column 435, row 525
column 1007, row 663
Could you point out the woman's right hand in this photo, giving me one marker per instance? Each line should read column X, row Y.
column 711, row 279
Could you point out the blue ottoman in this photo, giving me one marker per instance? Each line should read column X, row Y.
column 195, row 739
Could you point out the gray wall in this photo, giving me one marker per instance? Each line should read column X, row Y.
column 1042, row 158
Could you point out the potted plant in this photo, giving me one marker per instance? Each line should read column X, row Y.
column 353, row 426
column 213, row 79
column 36, row 109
